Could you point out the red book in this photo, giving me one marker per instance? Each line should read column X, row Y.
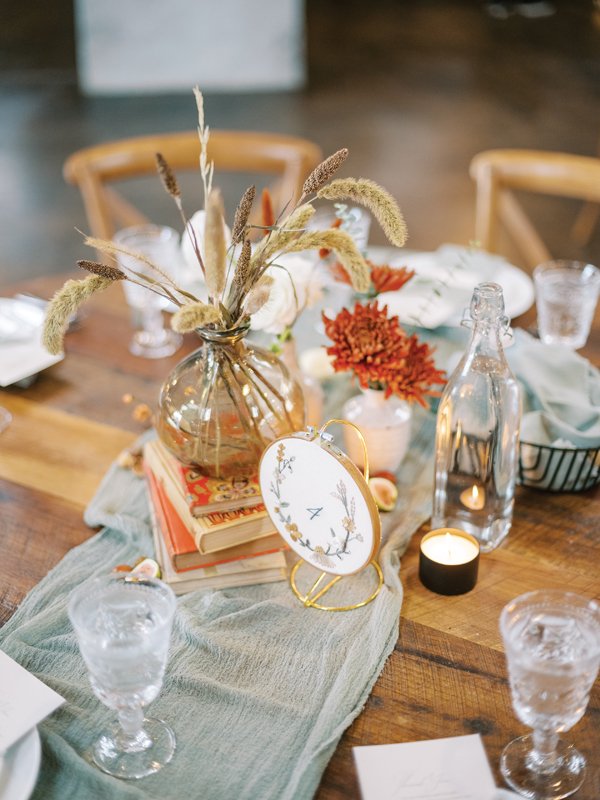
column 180, row 543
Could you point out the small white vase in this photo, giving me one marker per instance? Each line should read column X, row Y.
column 385, row 424
column 311, row 388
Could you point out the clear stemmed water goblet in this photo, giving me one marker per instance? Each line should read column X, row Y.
column 123, row 625
column 160, row 244
column 552, row 644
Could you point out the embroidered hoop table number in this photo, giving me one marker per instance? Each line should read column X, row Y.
column 321, row 504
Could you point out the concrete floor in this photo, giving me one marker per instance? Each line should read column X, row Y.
column 414, row 89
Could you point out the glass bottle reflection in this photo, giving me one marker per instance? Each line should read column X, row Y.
column 477, row 435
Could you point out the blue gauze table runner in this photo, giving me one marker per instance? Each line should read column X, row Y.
column 258, row 688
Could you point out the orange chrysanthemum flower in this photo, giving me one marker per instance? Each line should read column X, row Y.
column 378, row 351
column 383, row 277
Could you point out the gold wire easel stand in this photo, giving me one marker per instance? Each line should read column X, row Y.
column 310, row 598
column 313, row 595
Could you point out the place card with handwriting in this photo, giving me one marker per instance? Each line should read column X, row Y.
column 439, row 769
column 24, row 701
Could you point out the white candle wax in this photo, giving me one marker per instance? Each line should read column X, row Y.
column 446, row 548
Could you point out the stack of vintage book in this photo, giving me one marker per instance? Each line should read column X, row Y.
column 209, row 533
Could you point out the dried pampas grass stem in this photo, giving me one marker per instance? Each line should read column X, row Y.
column 215, row 247
column 347, row 253
column 242, row 213
column 194, row 315
column 279, row 239
column 64, row 304
column 324, row 171
column 167, row 176
column 376, row 199
column 104, row 270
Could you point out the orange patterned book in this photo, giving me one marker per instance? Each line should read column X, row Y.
column 180, row 543
column 205, row 495
column 215, row 531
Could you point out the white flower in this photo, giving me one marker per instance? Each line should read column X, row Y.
column 298, row 286
column 191, row 273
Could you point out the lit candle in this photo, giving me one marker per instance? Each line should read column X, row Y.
column 473, row 498
column 448, row 561
column 449, row 549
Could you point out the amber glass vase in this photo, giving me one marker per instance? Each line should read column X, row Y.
column 225, row 402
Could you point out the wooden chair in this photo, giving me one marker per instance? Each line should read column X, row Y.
column 498, row 173
column 94, row 169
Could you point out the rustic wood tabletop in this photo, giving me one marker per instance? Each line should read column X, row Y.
column 447, row 675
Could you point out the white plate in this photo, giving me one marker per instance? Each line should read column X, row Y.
column 441, row 289
column 21, row 350
column 20, row 766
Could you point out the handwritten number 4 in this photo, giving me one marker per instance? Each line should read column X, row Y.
column 314, row 512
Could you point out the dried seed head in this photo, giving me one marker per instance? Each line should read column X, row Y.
column 376, row 199
column 326, row 169
column 104, row 270
column 256, row 298
column 194, row 315
column 242, row 213
column 167, row 176
column 242, row 268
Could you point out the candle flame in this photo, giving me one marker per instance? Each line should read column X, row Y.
column 473, row 497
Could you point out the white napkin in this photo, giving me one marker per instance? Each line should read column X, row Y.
column 19, row 360
column 24, row 701
column 21, row 350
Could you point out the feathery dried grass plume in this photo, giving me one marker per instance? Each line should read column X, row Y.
column 258, row 296
column 194, row 315
column 64, row 304
column 215, row 247
column 324, row 171
column 104, row 270
column 242, row 213
column 279, row 239
column 167, row 176
column 343, row 245
column 374, row 197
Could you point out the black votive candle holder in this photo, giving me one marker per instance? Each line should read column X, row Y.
column 436, row 570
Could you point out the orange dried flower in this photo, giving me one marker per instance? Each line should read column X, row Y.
column 378, row 351
column 383, row 277
column 325, row 251
column 268, row 216
column 389, row 279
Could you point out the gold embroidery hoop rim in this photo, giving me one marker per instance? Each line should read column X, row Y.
column 309, row 599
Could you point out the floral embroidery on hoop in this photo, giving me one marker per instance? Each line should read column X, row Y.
column 338, row 546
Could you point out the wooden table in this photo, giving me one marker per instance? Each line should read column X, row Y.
column 447, row 674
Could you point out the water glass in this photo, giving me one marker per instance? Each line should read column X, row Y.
column 552, row 644
column 566, row 294
column 123, row 625
column 160, row 244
